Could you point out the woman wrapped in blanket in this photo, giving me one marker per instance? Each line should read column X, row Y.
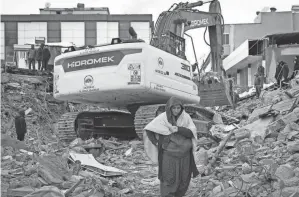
column 170, row 141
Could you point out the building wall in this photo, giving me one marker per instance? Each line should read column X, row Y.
column 11, row 38
column 54, row 32
column 28, row 31
column 80, row 29
column 106, row 31
column 268, row 23
column 296, row 21
column 2, row 49
column 271, row 23
column 244, row 77
column 90, row 33
column 73, row 32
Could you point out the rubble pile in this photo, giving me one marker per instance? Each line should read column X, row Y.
column 254, row 157
column 29, row 93
column 260, row 157
column 84, row 168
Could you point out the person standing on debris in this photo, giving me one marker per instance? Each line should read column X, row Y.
column 296, row 67
column 31, row 57
column 46, row 58
column 170, row 141
column 258, row 83
column 282, row 70
column 39, row 56
column 20, row 124
column 261, row 72
column 43, row 56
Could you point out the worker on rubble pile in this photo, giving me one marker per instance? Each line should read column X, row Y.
column 296, row 67
column 170, row 141
column 20, row 124
column 258, row 84
column 282, row 71
column 43, row 56
column 31, row 57
column 261, row 72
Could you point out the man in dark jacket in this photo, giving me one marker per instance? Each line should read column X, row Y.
column 46, row 57
column 20, row 124
column 258, row 83
column 43, row 56
column 296, row 67
column 282, row 70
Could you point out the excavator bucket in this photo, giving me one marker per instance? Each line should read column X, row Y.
column 216, row 91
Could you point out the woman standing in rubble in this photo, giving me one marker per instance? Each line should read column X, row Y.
column 170, row 141
column 20, row 124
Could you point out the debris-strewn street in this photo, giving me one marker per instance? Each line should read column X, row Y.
column 258, row 156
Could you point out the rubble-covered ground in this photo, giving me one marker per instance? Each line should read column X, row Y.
column 257, row 156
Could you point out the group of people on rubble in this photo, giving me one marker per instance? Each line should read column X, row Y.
column 281, row 75
column 42, row 55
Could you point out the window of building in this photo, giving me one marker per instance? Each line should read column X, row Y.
column 2, row 49
column 28, row 31
column 106, row 31
column 143, row 30
column 73, row 32
column 225, row 39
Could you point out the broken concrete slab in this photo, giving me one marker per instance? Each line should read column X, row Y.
column 282, row 122
column 294, row 181
column 293, row 92
column 281, row 107
column 288, row 191
column 293, row 147
column 258, row 128
column 53, row 169
column 255, row 114
column 19, row 192
column 242, row 133
column 49, row 191
column 285, row 172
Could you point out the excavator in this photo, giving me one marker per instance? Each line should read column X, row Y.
column 141, row 77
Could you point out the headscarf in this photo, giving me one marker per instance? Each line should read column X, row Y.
column 22, row 113
column 170, row 103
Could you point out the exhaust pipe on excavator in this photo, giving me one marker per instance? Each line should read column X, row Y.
column 132, row 33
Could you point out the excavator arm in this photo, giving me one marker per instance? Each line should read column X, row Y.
column 183, row 17
column 171, row 25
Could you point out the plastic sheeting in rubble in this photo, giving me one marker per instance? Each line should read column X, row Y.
column 88, row 160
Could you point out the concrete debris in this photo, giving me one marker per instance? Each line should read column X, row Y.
column 259, row 156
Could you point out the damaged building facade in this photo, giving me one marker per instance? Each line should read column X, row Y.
column 262, row 42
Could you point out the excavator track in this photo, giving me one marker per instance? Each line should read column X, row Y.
column 72, row 125
column 145, row 114
column 66, row 127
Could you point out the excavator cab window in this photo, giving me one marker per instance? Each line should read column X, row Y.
column 175, row 44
